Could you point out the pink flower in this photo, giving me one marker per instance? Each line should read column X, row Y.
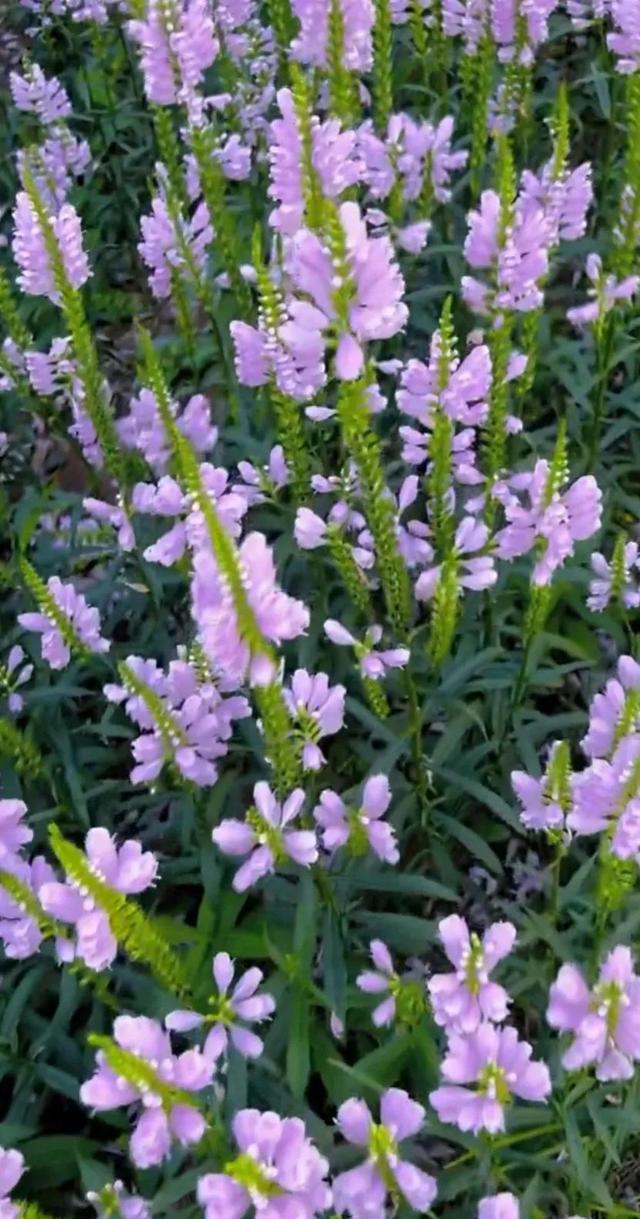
column 404, row 996
column 607, row 797
column 13, row 675
column 624, row 41
column 128, row 869
column 362, row 1192
column 606, row 291
column 463, row 999
column 83, row 621
column 11, row 1170
column 318, row 711
column 310, row 44
column 499, row 1206
column 278, row 1170
column 157, row 1123
column 605, row 584
column 605, row 1021
column 38, row 94
column 373, row 663
column 613, row 709
column 476, row 569
column 482, row 1071
column 361, row 828
column 36, row 273
column 229, row 1012
column 267, row 836
column 13, row 834
column 554, row 521
column 19, row 932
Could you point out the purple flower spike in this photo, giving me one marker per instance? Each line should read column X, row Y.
column 605, row 1021
column 615, row 711
column 463, row 999
column 230, row 1011
column 158, row 1123
column 362, row 1192
column 83, row 619
column 362, row 828
column 267, row 837
column 318, row 711
column 128, row 869
column 482, row 1071
column 13, row 833
column 278, row 1170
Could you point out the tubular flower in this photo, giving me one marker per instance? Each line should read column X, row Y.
column 362, row 1192
column 463, row 999
column 268, row 836
column 604, row 1021
column 482, row 1071
column 230, row 1012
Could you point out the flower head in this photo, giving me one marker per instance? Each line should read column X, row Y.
column 83, row 621
column 362, row 1192
column 604, row 1021
column 404, row 997
column 318, row 711
column 13, row 833
column 11, row 1170
column 361, row 828
column 463, row 999
column 267, row 836
column 482, row 1071
column 231, row 1009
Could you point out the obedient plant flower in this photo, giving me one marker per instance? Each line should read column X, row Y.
column 74, row 619
column 143, row 429
column 127, row 868
column 164, row 1116
column 475, row 568
column 359, row 829
column 373, row 662
column 14, row 834
column 483, row 1070
column 615, row 711
column 499, row 1206
column 38, row 94
column 317, row 710
column 310, row 44
column 565, row 199
column 624, row 41
column 417, row 156
column 552, row 523
column 166, row 498
column 363, row 1192
column 463, row 999
column 607, row 797
column 515, row 258
column 229, row 1012
column 11, row 1170
column 185, row 721
column 459, row 387
column 115, row 1202
column 268, row 836
column 20, row 934
column 546, row 801
column 14, row 674
column 114, row 515
column 605, row 292
column 604, row 1021
column 519, row 29
column 177, row 45
column 617, row 581
column 277, row 1170
column 172, row 244
column 278, row 615
column 260, row 483
column 404, row 996
column 36, row 276
column 333, row 158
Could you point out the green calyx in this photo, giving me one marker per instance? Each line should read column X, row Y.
column 608, row 1002
column 474, row 964
column 382, row 1148
column 492, row 1082
column 410, row 1000
column 252, row 1176
column 267, row 834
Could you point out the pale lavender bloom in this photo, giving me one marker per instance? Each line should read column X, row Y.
column 278, row 615
column 278, row 1170
column 359, row 828
column 615, row 711
column 143, row 429
column 520, row 39
column 373, row 662
column 195, row 726
column 601, row 588
column 260, row 483
column 83, row 620
column 177, row 44
column 605, row 1021
column 413, row 237
column 318, row 711
column 11, row 1170
column 114, row 515
column 554, row 521
column 129, row 1206
column 13, row 833
column 464, row 396
column 383, row 980
column 167, row 499
column 565, row 199
column 13, row 675
column 362, row 1192
column 463, row 999
column 499, row 1206
column 417, row 155
column 605, row 292
column 61, row 158
column 234, row 158
column 268, row 837
column 127, row 868
column 476, row 569
column 607, row 797
column 20, row 933
column 333, row 155
column 38, row 94
column 156, row 1125
column 625, row 39
column 310, row 44
column 172, row 243
column 542, row 805
column 36, row 273
column 229, row 1012
column 482, row 1071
